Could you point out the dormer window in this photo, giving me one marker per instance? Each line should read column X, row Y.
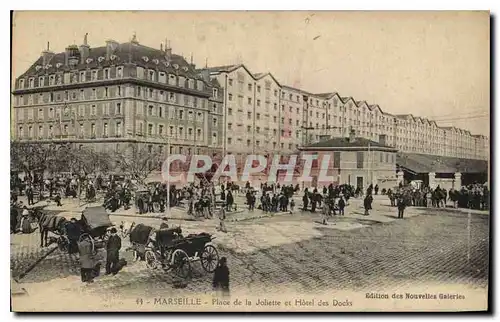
column 113, row 57
column 151, row 75
column 41, row 81
column 94, row 75
column 21, row 83
column 176, row 66
column 52, row 79
column 214, row 92
column 58, row 65
column 106, row 73
column 38, row 67
column 89, row 60
column 82, row 76
column 145, row 58
column 119, row 72
column 156, row 61
column 166, row 63
column 100, row 59
column 185, row 68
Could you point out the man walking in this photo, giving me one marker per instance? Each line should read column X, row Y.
column 401, row 207
column 112, row 252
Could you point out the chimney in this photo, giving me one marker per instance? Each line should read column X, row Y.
column 67, row 54
column 168, row 50
column 352, row 135
column 84, row 49
column 47, row 55
column 192, row 65
column 111, row 46
column 382, row 139
column 161, row 47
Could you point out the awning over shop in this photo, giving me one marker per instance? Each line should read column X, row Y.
column 425, row 163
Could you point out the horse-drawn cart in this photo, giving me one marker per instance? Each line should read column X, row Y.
column 95, row 222
column 172, row 251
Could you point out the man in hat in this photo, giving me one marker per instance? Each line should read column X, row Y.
column 113, row 252
column 86, row 260
column 221, row 278
column 164, row 224
column 73, row 232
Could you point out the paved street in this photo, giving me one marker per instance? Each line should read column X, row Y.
column 294, row 253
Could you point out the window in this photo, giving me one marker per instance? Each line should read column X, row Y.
column 181, row 131
column 229, row 140
column 151, row 75
column 119, row 72
column 230, row 82
column 94, row 75
column 31, row 83
column 20, row 131
column 359, row 160
column 105, row 92
column 40, row 114
column 336, row 160
column 215, row 92
column 275, row 93
column 198, row 133
column 51, row 130
column 181, row 114
column 257, row 143
column 229, row 126
column 258, row 116
column 249, row 129
column 51, row 80
column 94, row 94
column 249, row 115
column 258, row 88
column 258, row 102
column 282, row 145
column 105, row 129
column 214, row 120
column 230, row 97
column 150, row 110
column 40, row 131
column 249, row 142
column 257, row 129
column 118, row 109
column 171, row 130
column 66, row 95
column 150, row 93
column 93, row 110
column 229, row 111
column 30, row 130
column 249, row 100
column 118, row 128
column 249, row 87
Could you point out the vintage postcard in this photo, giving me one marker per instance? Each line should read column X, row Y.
column 250, row 161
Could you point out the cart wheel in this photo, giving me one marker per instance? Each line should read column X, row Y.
column 63, row 243
column 209, row 258
column 181, row 264
column 151, row 260
column 156, row 207
column 86, row 236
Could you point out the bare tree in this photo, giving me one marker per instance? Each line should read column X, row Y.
column 139, row 161
column 34, row 158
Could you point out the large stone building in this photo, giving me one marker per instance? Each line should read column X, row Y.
column 121, row 93
column 299, row 118
column 117, row 94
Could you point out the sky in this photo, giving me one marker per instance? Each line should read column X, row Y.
column 431, row 64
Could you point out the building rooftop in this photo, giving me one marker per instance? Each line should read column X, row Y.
column 344, row 142
column 425, row 163
column 121, row 53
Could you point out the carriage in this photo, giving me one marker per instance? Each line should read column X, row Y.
column 169, row 250
column 95, row 223
column 179, row 252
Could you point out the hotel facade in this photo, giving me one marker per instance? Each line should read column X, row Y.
column 119, row 94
